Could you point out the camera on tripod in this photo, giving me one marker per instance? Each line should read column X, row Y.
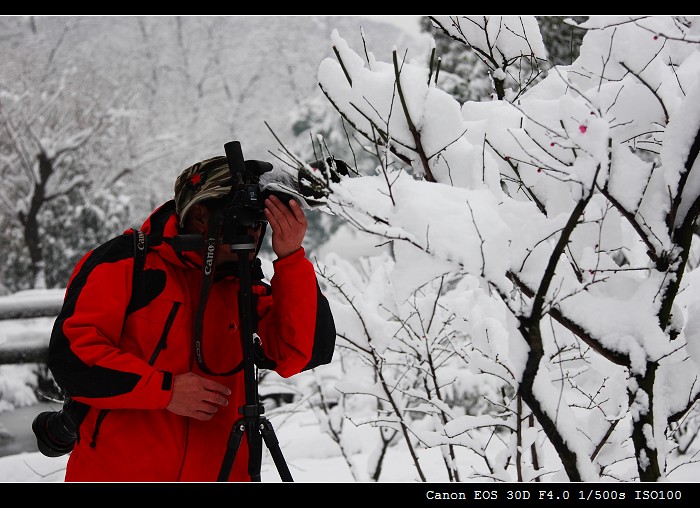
column 244, row 205
column 251, row 182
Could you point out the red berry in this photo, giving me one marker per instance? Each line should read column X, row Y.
column 539, row 170
column 552, row 143
column 582, row 128
column 656, row 37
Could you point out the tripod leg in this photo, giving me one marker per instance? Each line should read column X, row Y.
column 254, row 452
column 234, row 441
column 273, row 445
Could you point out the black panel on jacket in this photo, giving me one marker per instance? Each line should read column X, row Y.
column 151, row 283
column 324, row 335
column 70, row 371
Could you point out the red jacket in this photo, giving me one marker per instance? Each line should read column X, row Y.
column 123, row 360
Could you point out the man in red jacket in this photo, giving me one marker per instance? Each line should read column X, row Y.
column 159, row 378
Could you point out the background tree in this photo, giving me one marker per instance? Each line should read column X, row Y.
column 569, row 208
column 98, row 115
column 562, row 39
column 49, row 145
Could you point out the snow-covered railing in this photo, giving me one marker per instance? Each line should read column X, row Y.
column 26, row 319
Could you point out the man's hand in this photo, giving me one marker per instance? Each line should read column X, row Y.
column 197, row 397
column 288, row 225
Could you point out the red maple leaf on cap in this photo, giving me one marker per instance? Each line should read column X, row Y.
column 194, row 180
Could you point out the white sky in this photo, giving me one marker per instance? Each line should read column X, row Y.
column 410, row 23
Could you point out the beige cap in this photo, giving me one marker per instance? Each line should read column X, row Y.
column 208, row 179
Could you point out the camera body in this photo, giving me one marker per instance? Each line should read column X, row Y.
column 244, row 206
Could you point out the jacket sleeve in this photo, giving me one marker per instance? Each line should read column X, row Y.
column 84, row 354
column 296, row 325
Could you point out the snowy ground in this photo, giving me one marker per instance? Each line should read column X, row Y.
column 310, row 454
column 314, row 459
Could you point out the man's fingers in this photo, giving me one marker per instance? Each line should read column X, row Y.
column 214, row 398
column 213, row 386
column 297, row 211
column 202, row 415
column 213, row 395
column 206, row 409
column 271, row 219
column 285, row 213
column 274, row 206
column 197, row 397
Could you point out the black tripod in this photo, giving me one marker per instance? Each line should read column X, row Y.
column 251, row 423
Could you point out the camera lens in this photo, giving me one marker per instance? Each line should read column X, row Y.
column 55, row 433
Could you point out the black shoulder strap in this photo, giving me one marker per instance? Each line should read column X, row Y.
column 140, row 249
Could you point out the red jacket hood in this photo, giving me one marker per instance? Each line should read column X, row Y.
column 161, row 227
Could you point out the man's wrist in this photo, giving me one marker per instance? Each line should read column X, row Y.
column 287, row 254
column 291, row 257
